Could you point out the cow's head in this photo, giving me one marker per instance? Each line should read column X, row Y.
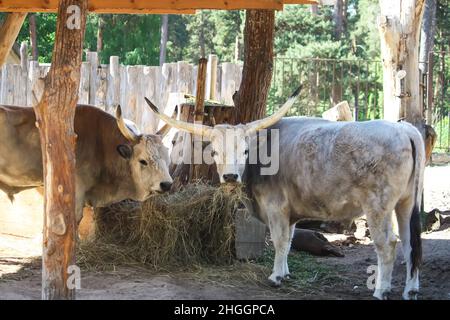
column 148, row 159
column 229, row 144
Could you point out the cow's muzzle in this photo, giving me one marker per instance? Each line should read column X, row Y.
column 230, row 177
column 165, row 186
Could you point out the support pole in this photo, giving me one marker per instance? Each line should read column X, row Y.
column 55, row 115
column 8, row 33
column 197, row 145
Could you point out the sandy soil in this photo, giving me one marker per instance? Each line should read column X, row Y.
column 20, row 244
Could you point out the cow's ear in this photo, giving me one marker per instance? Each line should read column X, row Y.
column 125, row 151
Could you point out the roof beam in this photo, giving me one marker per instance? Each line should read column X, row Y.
column 149, row 6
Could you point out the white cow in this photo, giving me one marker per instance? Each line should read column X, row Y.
column 328, row 171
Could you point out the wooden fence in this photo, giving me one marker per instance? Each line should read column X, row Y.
column 106, row 86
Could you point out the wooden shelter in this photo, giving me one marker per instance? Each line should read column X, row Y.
column 56, row 110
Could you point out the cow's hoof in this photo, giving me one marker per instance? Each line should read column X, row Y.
column 386, row 295
column 275, row 281
column 382, row 294
column 411, row 295
column 289, row 276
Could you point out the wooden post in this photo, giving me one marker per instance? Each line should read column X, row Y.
column 211, row 77
column 201, row 87
column 399, row 26
column 8, row 33
column 197, row 146
column 340, row 112
column 55, row 119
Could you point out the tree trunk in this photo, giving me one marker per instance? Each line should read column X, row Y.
column 8, row 33
column 427, row 34
column 399, row 26
column 338, row 19
column 164, row 36
column 202, row 36
column 33, row 36
column 101, row 25
column 55, row 119
column 251, row 99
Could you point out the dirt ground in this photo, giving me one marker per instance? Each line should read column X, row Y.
column 20, row 270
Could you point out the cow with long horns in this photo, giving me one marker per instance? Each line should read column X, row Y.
column 328, row 171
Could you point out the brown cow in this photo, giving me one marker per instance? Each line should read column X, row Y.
column 113, row 161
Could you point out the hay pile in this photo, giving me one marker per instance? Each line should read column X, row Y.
column 192, row 226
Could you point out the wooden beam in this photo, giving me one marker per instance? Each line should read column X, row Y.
column 151, row 7
column 301, row 1
column 55, row 115
column 8, row 33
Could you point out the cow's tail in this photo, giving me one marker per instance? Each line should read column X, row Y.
column 418, row 154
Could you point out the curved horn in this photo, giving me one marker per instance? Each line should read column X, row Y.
column 197, row 129
column 126, row 132
column 274, row 118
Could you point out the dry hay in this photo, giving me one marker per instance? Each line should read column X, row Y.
column 192, row 226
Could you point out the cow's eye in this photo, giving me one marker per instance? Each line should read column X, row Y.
column 246, row 152
column 213, row 153
column 143, row 162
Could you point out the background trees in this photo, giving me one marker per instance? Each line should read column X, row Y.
column 347, row 30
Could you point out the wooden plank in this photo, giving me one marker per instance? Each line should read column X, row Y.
column 113, row 87
column 83, row 91
column 229, row 82
column 151, row 7
column 100, row 87
column 132, row 82
column 150, row 76
column 7, row 85
column 184, row 73
column 167, row 83
column 92, row 58
column 8, row 33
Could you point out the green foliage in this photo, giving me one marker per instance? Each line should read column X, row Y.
column 297, row 28
column 45, row 29
column 365, row 34
column 443, row 140
column 134, row 38
column 215, row 28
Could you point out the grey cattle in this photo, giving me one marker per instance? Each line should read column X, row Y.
column 113, row 162
column 329, row 171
